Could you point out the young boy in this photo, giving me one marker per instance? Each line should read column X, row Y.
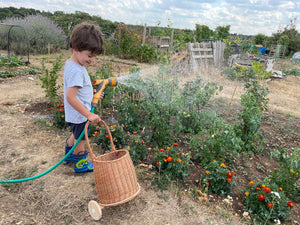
column 86, row 42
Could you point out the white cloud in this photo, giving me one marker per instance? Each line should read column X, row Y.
column 287, row 5
column 244, row 16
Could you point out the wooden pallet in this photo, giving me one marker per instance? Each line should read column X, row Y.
column 277, row 51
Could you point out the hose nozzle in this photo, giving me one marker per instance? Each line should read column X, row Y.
column 101, row 84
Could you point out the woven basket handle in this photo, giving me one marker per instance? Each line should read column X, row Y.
column 87, row 138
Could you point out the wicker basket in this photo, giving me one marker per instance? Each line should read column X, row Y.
column 114, row 174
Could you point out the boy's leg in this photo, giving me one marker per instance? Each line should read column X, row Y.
column 71, row 140
column 80, row 147
column 79, row 155
column 68, row 146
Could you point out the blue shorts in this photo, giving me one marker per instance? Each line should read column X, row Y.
column 77, row 129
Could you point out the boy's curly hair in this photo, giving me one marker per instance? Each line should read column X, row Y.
column 87, row 36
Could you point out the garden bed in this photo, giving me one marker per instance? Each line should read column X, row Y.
column 30, row 146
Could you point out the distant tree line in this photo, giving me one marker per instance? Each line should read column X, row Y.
column 287, row 35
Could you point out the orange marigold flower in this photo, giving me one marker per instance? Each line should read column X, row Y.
column 107, row 136
column 61, row 110
column 234, row 173
column 58, row 106
column 165, row 159
column 290, row 204
column 182, row 161
column 123, row 127
column 178, row 153
column 257, row 188
column 134, row 133
column 270, row 205
column 251, row 183
column 161, row 150
column 96, row 132
column 208, row 183
column 261, row 197
column 175, row 144
column 229, row 179
column 280, row 188
column 169, row 159
column 49, row 109
column 97, row 127
column 168, row 148
column 179, row 160
column 223, row 165
column 136, row 141
column 157, row 163
column 143, row 142
column 62, row 105
column 217, row 171
column 262, row 186
column 267, row 190
column 62, row 116
column 246, row 193
column 207, row 172
column 229, row 174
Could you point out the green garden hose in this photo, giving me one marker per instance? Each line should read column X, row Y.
column 52, row 168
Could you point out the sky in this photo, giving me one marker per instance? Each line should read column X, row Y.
column 248, row 17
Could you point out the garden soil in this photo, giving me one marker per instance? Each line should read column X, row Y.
column 29, row 146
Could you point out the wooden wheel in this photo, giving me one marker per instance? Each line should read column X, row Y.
column 95, row 210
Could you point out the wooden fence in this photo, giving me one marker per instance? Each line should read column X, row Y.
column 206, row 53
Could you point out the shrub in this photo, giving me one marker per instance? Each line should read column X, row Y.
column 220, row 144
column 102, row 137
column 254, row 102
column 41, row 31
column 239, row 73
column 266, row 201
column 129, row 107
column 10, row 60
column 288, row 174
column 49, row 79
column 172, row 162
column 59, row 117
column 196, row 94
column 145, row 53
column 136, row 148
column 218, row 179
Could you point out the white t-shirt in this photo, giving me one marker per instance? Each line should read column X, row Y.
column 77, row 75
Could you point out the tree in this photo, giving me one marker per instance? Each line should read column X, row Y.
column 260, row 39
column 203, row 32
column 222, row 32
column 293, row 36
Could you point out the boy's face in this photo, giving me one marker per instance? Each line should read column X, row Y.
column 83, row 58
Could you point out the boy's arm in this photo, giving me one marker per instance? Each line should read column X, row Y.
column 76, row 104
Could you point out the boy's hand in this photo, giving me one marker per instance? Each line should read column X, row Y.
column 102, row 94
column 93, row 118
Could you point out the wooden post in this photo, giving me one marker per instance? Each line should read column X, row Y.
column 48, row 48
column 119, row 45
column 144, row 34
column 171, row 42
